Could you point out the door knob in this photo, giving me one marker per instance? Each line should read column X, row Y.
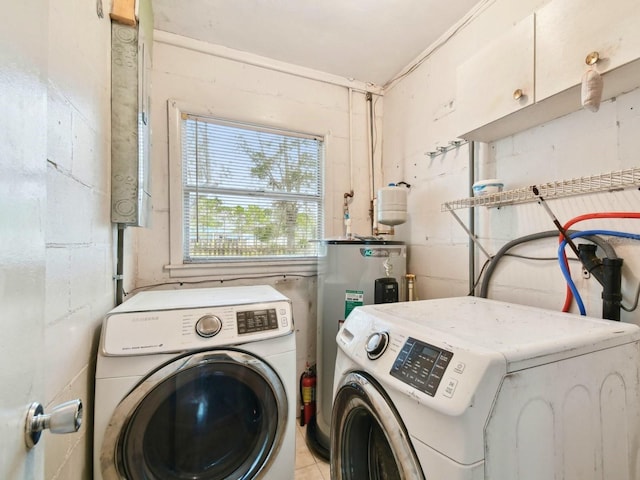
column 64, row 418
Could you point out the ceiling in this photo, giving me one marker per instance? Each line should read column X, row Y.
column 366, row 40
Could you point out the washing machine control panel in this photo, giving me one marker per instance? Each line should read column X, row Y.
column 421, row 365
column 252, row 321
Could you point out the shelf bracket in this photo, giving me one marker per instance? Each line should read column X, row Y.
column 472, row 237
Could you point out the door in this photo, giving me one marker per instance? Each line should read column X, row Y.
column 23, row 126
column 213, row 415
column 368, row 437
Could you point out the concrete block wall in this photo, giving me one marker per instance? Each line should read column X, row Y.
column 420, row 115
column 256, row 92
column 78, row 232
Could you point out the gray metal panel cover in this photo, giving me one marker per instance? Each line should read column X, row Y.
column 130, row 121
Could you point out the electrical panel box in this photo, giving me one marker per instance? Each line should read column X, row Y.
column 130, row 119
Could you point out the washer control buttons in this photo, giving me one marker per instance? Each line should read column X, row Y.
column 421, row 365
column 376, row 344
column 208, row 326
column 459, row 367
column 450, row 387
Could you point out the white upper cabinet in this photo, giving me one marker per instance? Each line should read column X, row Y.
column 555, row 46
column 498, row 79
column 567, row 31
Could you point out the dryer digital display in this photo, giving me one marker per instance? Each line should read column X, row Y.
column 252, row 321
column 421, row 365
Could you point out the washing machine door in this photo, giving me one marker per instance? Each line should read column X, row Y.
column 368, row 437
column 208, row 416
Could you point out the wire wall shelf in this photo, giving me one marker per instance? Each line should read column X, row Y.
column 604, row 182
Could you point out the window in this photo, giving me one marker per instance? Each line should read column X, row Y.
column 248, row 192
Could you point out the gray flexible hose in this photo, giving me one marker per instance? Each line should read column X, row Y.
column 484, row 288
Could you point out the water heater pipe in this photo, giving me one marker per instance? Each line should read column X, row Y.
column 351, row 141
column 348, row 196
column 372, row 183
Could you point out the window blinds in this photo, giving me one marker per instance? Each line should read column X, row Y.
column 249, row 192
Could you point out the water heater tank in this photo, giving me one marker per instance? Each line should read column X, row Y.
column 392, row 205
column 348, row 273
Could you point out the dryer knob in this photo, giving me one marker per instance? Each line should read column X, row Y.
column 208, row 326
column 377, row 344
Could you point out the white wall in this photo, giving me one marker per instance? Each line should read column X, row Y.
column 78, row 231
column 420, row 115
column 190, row 72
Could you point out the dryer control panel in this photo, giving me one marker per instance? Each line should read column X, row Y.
column 251, row 321
column 421, row 365
column 182, row 329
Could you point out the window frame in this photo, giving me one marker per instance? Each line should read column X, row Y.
column 236, row 266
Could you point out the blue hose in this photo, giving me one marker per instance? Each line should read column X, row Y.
column 565, row 270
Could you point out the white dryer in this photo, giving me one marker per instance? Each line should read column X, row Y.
column 473, row 389
column 197, row 384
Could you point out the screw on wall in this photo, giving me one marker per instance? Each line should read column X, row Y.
column 585, row 273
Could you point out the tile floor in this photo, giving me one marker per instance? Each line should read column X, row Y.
column 308, row 467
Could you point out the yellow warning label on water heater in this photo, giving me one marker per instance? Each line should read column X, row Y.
column 352, row 299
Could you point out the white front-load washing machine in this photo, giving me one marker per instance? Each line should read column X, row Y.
column 197, row 384
column 474, row 389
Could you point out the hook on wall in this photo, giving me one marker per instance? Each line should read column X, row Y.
column 441, row 150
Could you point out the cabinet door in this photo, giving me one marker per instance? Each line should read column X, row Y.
column 488, row 81
column 568, row 30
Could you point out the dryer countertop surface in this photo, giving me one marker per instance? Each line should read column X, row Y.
column 198, row 297
column 523, row 335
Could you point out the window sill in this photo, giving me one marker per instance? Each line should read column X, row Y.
column 231, row 270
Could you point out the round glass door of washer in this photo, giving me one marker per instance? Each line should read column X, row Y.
column 206, row 416
column 368, row 439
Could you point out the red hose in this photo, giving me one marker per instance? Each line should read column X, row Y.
column 580, row 218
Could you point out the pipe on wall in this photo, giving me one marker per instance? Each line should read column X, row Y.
column 372, row 183
column 581, row 218
column 472, row 221
column 350, row 91
column 119, row 278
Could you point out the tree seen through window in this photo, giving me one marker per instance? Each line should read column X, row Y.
column 249, row 192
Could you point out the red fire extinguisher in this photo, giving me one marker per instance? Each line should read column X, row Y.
column 308, row 394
